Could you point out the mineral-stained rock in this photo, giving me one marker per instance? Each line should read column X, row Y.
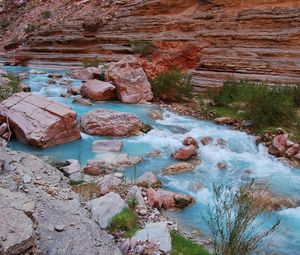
column 178, row 168
column 185, row 153
column 147, row 180
column 107, row 145
column 105, row 208
column 190, row 141
column 98, row 90
column 158, row 233
column 110, row 123
column 131, row 81
column 168, row 199
column 38, row 121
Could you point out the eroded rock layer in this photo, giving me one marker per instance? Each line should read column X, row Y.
column 255, row 39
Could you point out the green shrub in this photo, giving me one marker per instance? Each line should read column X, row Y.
column 237, row 221
column 125, row 221
column 183, row 246
column 173, row 85
column 4, row 23
column 91, row 62
column 141, row 47
column 30, row 28
column 11, row 88
column 46, row 14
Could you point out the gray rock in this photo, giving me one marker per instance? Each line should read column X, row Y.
column 105, row 208
column 108, row 183
column 74, row 167
column 107, row 145
column 135, row 193
column 156, row 232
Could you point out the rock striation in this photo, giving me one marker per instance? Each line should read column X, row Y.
column 38, row 121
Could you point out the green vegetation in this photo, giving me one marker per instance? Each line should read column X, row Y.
column 57, row 163
column 4, row 23
column 141, row 47
column 91, row 62
column 183, row 246
column 11, row 88
column 238, row 221
column 173, row 85
column 30, row 28
column 46, row 14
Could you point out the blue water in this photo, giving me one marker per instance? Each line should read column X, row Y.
column 240, row 154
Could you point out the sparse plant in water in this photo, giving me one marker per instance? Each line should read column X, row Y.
column 141, row 47
column 173, row 85
column 237, row 222
column 46, row 14
column 91, row 62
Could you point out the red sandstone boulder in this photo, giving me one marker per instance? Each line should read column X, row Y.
column 75, row 90
column 87, row 73
column 278, row 145
column 292, row 151
column 168, row 199
column 206, row 140
column 178, row 168
column 147, row 180
column 131, row 81
column 38, row 121
column 185, row 153
column 190, row 141
column 224, row 120
column 98, row 90
column 110, row 123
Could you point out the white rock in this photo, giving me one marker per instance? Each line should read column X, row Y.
column 156, row 232
column 105, row 208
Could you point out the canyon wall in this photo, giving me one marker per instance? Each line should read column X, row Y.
column 214, row 39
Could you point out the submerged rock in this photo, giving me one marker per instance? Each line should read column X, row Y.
column 158, row 233
column 185, row 153
column 131, row 81
column 105, row 208
column 38, row 121
column 206, row 140
column 107, row 145
column 178, row 169
column 81, row 101
column 98, row 90
column 110, row 123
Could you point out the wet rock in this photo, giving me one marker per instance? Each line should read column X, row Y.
column 88, row 73
column 108, row 183
column 3, row 129
column 155, row 114
column 224, row 121
column 51, row 81
column 178, row 169
column 73, row 167
column 190, row 141
column 23, row 87
column 158, row 233
column 98, row 90
column 75, row 90
column 196, row 186
column 292, row 151
column 3, row 143
column 131, row 81
column 221, row 143
column 35, row 71
column 110, row 123
column 105, row 208
column 278, row 145
column 147, row 180
column 38, row 121
column 222, row 165
column 81, row 101
column 185, row 153
column 135, row 193
column 168, row 199
column 107, row 145
column 206, row 140
column 55, row 75
column 155, row 153
column 65, row 83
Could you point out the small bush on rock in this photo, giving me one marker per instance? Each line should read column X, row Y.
column 46, row 14
column 30, row 28
column 90, row 62
column 141, row 47
column 173, row 85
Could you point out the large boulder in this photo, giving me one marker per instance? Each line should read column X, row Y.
column 105, row 208
column 158, row 233
column 87, row 73
column 185, row 153
column 167, row 199
column 131, row 81
column 38, row 121
column 98, row 90
column 110, row 123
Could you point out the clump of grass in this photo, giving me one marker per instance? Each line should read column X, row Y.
column 30, row 28
column 143, row 48
column 183, row 246
column 125, row 221
column 12, row 87
column 264, row 106
column 173, row 85
column 91, row 62
column 46, row 14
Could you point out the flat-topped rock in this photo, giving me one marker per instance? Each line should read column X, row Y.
column 110, row 123
column 38, row 121
column 107, row 145
column 98, row 90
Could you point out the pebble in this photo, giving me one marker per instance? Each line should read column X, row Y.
column 59, row 227
column 119, row 175
column 27, row 178
column 143, row 212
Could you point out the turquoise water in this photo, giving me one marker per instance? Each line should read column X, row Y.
column 240, row 154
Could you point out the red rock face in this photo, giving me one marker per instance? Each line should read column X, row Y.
column 98, row 90
column 110, row 123
column 185, row 153
column 37, row 121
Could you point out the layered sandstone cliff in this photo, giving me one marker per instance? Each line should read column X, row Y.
column 215, row 39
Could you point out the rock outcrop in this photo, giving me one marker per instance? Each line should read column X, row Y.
column 38, row 121
column 102, row 122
